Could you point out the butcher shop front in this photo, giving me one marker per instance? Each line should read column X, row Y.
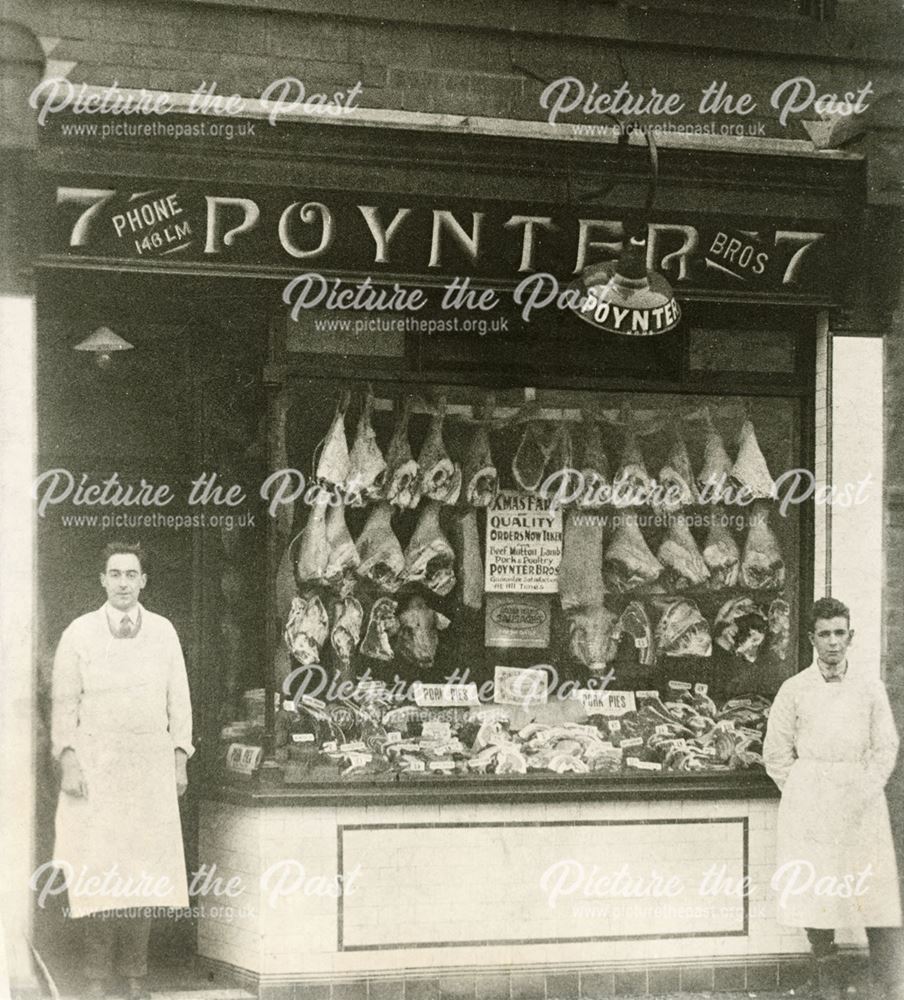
column 485, row 601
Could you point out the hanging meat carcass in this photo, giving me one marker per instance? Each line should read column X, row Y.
column 343, row 556
column 345, row 635
column 307, row 628
column 580, row 567
column 401, row 469
column 382, row 560
column 750, row 470
column 594, row 463
column 313, row 547
column 721, row 553
column 762, row 566
column 740, row 628
column 714, row 474
column 676, row 479
column 440, row 476
column 628, row 561
column 632, row 481
column 367, row 472
column 479, row 476
column 382, row 624
column 683, row 631
column 418, row 634
column 679, row 553
column 429, row 558
column 470, row 564
column 531, row 457
column 334, row 464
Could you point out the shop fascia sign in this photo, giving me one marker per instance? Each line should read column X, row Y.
column 336, row 234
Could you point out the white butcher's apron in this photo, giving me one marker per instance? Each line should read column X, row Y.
column 122, row 844
column 836, row 862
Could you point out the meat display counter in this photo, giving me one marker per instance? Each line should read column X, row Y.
column 518, row 584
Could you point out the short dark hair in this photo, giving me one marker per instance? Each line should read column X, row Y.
column 825, row 608
column 123, row 548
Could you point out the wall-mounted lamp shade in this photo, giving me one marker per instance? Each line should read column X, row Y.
column 623, row 296
column 102, row 343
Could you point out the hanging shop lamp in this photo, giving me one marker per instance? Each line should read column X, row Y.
column 102, row 344
column 625, row 296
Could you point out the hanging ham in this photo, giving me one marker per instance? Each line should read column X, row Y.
column 367, row 472
column 677, row 478
column 530, row 458
column 713, row 476
column 469, row 564
column 594, row 463
column 440, row 477
column 343, row 556
column 382, row 624
column 307, row 628
column 429, row 558
column 750, row 469
column 721, row 553
column 679, row 553
column 580, row 568
column 762, row 566
column 401, row 468
column 479, row 476
column 632, row 481
column 334, row 465
column 382, row 560
column 628, row 562
column 313, row 547
column 345, row 635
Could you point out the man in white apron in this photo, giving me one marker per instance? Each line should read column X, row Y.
column 122, row 735
column 830, row 747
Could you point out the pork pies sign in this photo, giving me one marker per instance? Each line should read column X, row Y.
column 223, row 229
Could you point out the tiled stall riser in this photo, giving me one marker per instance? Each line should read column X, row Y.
column 449, row 889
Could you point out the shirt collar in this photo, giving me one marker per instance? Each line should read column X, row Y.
column 831, row 677
column 115, row 616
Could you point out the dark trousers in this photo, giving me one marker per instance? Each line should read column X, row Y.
column 886, row 952
column 116, row 940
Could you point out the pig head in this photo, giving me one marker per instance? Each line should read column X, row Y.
column 590, row 635
column 418, row 634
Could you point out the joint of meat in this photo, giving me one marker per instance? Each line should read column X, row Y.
column 314, row 547
column 762, row 566
column 479, row 476
column 348, row 616
column 307, row 628
column 679, row 553
column 677, row 479
column 367, row 472
column 721, row 553
column 382, row 624
column 628, row 561
column 429, row 558
column 636, row 623
column 740, row 628
column 580, row 568
column 713, row 477
column 418, row 636
column 343, row 558
column 334, row 464
column 683, row 631
column 437, row 471
column 632, row 480
column 530, row 459
column 470, row 564
column 382, row 560
column 594, row 463
column 401, row 468
column 779, row 620
column 750, row 470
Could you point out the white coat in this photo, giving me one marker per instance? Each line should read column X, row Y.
column 123, row 706
column 830, row 748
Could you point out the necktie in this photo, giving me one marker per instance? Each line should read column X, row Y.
column 125, row 628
